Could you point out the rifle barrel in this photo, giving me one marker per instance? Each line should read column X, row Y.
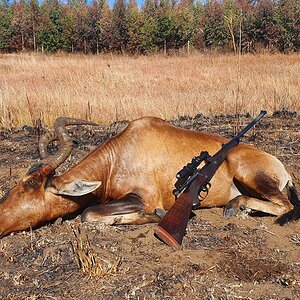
column 250, row 125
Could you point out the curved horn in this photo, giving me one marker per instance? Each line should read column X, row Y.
column 61, row 134
column 44, row 141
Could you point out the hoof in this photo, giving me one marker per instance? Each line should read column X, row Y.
column 239, row 211
column 230, row 211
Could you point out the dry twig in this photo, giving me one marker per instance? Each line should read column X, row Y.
column 88, row 261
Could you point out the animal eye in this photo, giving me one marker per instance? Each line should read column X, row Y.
column 31, row 183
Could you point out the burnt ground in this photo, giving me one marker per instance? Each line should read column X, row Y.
column 239, row 258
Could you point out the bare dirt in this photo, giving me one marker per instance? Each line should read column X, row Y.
column 239, row 258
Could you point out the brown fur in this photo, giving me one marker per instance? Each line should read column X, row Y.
column 137, row 169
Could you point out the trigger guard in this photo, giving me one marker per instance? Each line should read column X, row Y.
column 206, row 188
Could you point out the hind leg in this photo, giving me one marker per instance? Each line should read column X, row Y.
column 261, row 194
column 127, row 210
column 242, row 201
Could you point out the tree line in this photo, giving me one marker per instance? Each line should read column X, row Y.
column 158, row 25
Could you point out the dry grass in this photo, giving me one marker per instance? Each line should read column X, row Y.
column 89, row 261
column 106, row 88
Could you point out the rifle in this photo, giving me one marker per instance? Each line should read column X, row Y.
column 190, row 182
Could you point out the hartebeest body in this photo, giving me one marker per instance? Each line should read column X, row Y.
column 129, row 178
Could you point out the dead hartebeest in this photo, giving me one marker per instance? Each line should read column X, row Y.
column 129, row 178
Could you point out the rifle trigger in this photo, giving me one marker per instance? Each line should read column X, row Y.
column 205, row 189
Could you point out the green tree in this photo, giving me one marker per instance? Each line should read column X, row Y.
column 95, row 11
column 50, row 33
column 288, row 20
column 248, row 42
column 149, row 27
column 120, row 35
column 134, row 27
column 5, row 25
column 199, row 37
column 69, row 29
column 265, row 23
column 34, row 20
column 185, row 23
column 166, row 30
column 106, row 29
column 214, row 26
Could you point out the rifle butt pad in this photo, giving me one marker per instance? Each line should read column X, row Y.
column 166, row 237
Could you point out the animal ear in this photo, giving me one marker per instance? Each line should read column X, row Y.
column 78, row 188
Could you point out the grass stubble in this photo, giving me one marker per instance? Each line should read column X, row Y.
column 87, row 259
column 107, row 88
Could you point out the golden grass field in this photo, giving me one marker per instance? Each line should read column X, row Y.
column 107, row 88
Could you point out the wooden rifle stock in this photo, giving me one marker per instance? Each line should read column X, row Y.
column 172, row 227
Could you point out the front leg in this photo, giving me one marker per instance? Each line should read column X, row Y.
column 127, row 210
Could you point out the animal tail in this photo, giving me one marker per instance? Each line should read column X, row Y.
column 293, row 214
